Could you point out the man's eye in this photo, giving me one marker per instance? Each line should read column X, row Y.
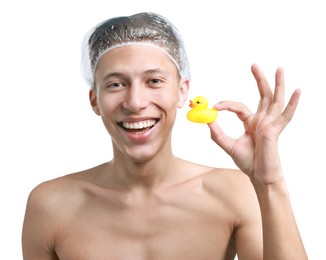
column 115, row 85
column 155, row 81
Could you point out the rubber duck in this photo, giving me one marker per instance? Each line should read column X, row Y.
column 200, row 113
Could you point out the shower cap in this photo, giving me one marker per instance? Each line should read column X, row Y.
column 149, row 29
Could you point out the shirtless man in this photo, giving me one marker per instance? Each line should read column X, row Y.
column 146, row 203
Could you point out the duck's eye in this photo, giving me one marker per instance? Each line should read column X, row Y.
column 198, row 102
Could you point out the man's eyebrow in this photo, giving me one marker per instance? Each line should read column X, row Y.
column 156, row 70
column 121, row 75
column 111, row 74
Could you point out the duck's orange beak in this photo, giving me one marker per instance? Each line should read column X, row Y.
column 191, row 104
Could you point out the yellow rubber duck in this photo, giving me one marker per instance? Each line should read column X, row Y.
column 200, row 113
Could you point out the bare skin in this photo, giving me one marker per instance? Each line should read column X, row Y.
column 195, row 216
column 148, row 204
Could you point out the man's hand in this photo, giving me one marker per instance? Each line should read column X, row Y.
column 256, row 151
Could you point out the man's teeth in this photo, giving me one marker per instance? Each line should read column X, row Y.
column 138, row 125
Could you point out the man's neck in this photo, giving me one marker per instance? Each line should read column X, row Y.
column 145, row 176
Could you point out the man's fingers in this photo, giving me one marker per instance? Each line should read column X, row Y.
column 279, row 91
column 265, row 92
column 221, row 139
column 291, row 106
column 239, row 109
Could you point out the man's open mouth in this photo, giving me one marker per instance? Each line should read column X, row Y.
column 138, row 126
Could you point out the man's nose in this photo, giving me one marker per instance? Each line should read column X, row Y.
column 136, row 98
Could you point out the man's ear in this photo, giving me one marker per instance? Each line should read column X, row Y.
column 93, row 101
column 183, row 91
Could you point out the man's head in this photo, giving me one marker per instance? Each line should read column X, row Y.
column 147, row 29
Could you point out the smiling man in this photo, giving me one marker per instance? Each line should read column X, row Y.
column 137, row 90
column 145, row 203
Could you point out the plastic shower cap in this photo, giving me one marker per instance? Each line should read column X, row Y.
column 148, row 29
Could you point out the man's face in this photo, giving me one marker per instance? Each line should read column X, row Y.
column 137, row 93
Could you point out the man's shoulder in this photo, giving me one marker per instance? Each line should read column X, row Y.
column 216, row 176
column 233, row 177
column 67, row 182
column 58, row 192
column 231, row 185
column 50, row 192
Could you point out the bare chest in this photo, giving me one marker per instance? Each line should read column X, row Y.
column 150, row 231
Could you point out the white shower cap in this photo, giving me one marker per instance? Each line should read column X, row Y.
column 148, row 29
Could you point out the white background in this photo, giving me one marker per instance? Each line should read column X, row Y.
column 48, row 128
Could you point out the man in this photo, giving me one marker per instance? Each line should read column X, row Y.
column 146, row 203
